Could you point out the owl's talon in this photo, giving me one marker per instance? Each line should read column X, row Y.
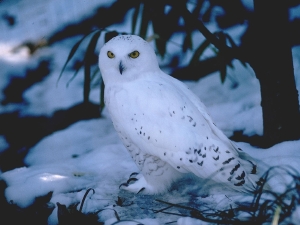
column 123, row 184
column 130, row 182
column 131, row 179
column 137, row 185
column 141, row 190
column 133, row 174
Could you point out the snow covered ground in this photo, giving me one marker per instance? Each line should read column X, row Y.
column 89, row 154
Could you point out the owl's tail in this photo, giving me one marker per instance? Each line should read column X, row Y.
column 258, row 181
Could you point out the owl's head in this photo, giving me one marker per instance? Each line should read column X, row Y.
column 126, row 57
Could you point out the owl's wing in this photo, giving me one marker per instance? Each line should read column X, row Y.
column 167, row 120
column 247, row 161
column 202, row 108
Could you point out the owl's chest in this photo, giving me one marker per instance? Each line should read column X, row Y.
column 126, row 116
column 133, row 102
column 120, row 104
column 124, row 112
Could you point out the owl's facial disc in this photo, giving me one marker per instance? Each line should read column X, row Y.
column 121, row 67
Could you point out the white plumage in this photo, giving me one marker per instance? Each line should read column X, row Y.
column 164, row 126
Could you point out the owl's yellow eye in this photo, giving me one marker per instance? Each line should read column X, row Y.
column 134, row 54
column 110, row 55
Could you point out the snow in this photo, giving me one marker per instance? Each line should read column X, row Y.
column 89, row 154
column 48, row 16
column 189, row 220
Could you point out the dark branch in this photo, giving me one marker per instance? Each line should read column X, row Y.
column 193, row 22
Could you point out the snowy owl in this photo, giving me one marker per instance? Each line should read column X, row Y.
column 164, row 126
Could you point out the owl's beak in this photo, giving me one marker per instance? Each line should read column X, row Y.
column 121, row 67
